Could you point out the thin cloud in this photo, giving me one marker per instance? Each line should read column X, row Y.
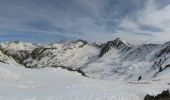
column 88, row 19
column 153, row 22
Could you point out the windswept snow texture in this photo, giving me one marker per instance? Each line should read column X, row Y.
column 19, row 83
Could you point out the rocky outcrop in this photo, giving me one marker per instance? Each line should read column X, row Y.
column 163, row 51
column 165, row 95
column 117, row 44
column 167, row 66
column 86, row 57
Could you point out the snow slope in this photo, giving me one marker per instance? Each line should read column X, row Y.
column 19, row 83
column 68, row 54
column 113, row 60
column 145, row 60
column 120, row 62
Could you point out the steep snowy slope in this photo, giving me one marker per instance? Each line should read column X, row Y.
column 145, row 61
column 68, row 54
column 19, row 83
column 6, row 59
column 18, row 50
column 114, row 60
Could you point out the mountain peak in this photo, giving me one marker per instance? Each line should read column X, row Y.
column 16, row 42
column 117, row 44
column 117, row 39
column 83, row 41
column 120, row 41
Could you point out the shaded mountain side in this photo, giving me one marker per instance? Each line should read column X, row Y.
column 114, row 59
column 118, row 44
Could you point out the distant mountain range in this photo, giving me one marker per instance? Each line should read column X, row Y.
column 113, row 60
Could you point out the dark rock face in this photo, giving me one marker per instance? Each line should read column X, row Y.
column 165, row 95
column 16, row 57
column 105, row 48
column 149, row 97
column 163, row 51
column 117, row 43
column 37, row 52
column 83, row 41
column 97, row 45
column 167, row 66
column 139, row 78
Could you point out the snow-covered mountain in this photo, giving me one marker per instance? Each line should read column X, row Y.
column 18, row 50
column 117, row 44
column 113, row 60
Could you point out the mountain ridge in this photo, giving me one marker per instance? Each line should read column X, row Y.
column 113, row 60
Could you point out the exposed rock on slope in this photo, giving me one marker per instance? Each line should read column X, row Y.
column 117, row 44
column 18, row 50
column 114, row 60
column 72, row 54
column 165, row 95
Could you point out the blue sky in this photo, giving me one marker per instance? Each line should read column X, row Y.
column 94, row 20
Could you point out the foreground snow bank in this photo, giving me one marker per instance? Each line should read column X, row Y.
column 18, row 83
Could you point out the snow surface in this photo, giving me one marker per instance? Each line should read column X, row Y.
column 19, row 83
column 113, row 76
